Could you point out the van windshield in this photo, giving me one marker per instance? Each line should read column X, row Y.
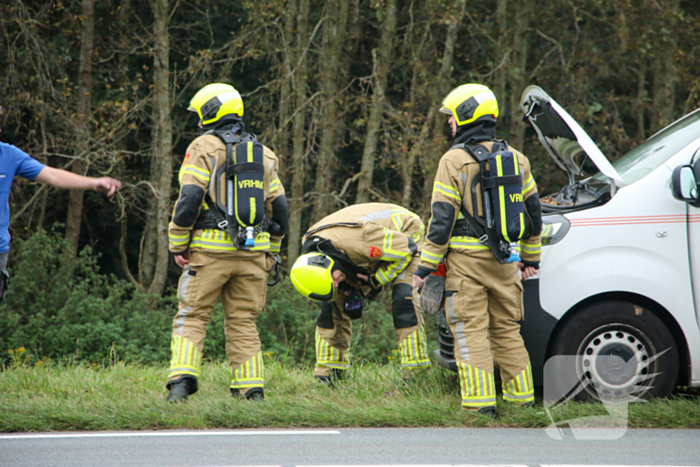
column 649, row 155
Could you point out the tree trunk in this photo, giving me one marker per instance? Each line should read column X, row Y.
column 82, row 122
column 297, row 169
column 442, row 85
column 333, row 39
column 664, row 70
column 517, row 72
column 286, row 88
column 640, row 105
column 382, row 59
column 499, row 87
column 161, row 163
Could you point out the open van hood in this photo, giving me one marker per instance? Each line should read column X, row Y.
column 562, row 136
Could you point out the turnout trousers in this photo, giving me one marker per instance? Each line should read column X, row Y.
column 240, row 279
column 334, row 328
column 483, row 304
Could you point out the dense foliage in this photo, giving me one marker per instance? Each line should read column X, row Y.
column 90, row 317
column 344, row 91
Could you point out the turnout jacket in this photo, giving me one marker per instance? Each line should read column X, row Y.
column 204, row 157
column 379, row 237
column 452, row 189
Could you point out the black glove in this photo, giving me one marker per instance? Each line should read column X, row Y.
column 432, row 296
column 534, row 264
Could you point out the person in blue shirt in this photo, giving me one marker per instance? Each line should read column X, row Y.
column 14, row 161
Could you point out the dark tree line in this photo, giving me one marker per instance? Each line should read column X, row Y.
column 346, row 92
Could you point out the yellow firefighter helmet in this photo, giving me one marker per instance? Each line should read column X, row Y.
column 470, row 102
column 214, row 101
column 312, row 276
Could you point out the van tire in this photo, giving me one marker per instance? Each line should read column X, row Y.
column 615, row 328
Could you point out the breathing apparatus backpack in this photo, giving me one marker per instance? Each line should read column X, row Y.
column 501, row 185
column 240, row 182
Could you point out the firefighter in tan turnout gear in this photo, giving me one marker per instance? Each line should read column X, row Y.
column 227, row 227
column 483, row 293
column 351, row 255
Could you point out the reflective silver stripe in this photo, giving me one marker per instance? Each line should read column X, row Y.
column 482, row 388
column 519, row 397
column 451, row 309
column 462, row 339
column 184, row 368
column 373, row 216
column 185, row 283
column 186, row 352
column 471, row 400
column 212, row 181
column 249, row 381
column 410, row 365
column 181, row 315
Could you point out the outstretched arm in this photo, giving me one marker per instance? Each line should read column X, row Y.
column 68, row 180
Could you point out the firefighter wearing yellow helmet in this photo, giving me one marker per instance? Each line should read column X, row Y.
column 226, row 231
column 348, row 257
column 470, row 231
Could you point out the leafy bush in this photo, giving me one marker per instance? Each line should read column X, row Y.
column 87, row 316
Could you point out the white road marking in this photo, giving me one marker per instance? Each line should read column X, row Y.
column 582, row 465
column 172, row 433
column 422, row 465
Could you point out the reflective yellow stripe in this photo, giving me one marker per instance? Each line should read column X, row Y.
column 532, row 248
column 329, row 356
column 529, row 184
column 414, row 350
column 477, row 386
column 467, row 243
column 199, row 173
column 179, row 239
column 502, row 199
column 185, row 359
column 520, row 389
column 251, row 374
column 430, row 257
column 447, row 191
column 274, row 184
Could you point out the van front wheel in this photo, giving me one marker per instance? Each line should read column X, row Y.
column 616, row 349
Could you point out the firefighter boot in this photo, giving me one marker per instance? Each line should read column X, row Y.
column 335, row 376
column 489, row 411
column 181, row 388
column 252, row 394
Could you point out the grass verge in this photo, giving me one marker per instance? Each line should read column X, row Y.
column 131, row 397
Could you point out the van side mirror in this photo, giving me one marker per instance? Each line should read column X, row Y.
column 684, row 185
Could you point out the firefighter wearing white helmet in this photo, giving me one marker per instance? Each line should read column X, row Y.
column 482, row 291
column 226, row 231
column 348, row 257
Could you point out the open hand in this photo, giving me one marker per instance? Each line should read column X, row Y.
column 107, row 185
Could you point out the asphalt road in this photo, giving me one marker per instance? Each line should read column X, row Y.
column 357, row 447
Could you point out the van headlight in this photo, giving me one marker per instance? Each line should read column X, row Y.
column 554, row 229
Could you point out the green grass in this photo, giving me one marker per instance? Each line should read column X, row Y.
column 131, row 397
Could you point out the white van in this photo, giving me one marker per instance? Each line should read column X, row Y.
column 620, row 266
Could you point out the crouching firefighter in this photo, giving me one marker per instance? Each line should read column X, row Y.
column 226, row 231
column 484, row 203
column 347, row 258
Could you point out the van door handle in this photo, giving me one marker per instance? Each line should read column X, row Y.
column 663, row 234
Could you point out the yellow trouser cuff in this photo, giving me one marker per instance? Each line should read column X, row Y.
column 186, row 359
column 250, row 374
column 520, row 389
column 414, row 350
column 329, row 356
column 478, row 386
